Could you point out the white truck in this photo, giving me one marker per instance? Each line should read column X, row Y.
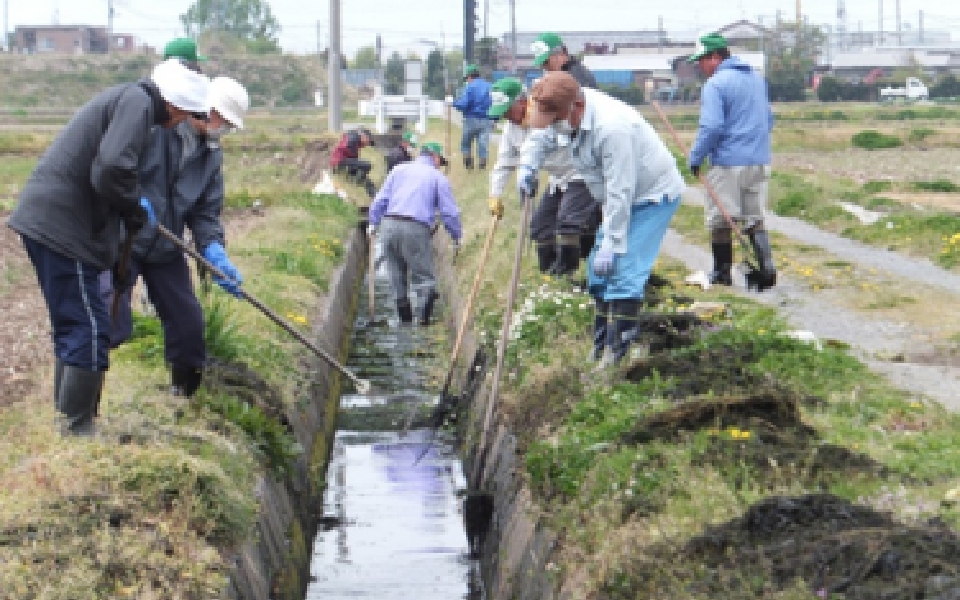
column 914, row 90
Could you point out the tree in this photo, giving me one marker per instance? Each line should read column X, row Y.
column 393, row 75
column 434, row 84
column 251, row 21
column 365, row 58
column 487, row 53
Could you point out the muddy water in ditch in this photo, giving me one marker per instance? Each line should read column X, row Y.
column 393, row 525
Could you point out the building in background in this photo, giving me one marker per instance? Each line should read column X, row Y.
column 70, row 39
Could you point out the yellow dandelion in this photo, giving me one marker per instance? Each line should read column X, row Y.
column 916, row 405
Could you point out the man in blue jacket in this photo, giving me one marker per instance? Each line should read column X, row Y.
column 474, row 104
column 735, row 124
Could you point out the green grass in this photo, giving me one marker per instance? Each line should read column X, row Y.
column 940, row 185
column 871, row 139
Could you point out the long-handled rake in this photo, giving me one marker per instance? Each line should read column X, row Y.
column 754, row 276
column 362, row 385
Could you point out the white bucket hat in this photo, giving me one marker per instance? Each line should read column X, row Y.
column 181, row 87
column 230, row 99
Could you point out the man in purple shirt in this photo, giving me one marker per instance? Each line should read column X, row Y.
column 406, row 207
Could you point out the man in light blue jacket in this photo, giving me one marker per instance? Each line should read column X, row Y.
column 627, row 168
column 474, row 104
column 735, row 124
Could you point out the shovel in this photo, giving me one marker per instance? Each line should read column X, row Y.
column 362, row 385
column 754, row 276
column 448, row 401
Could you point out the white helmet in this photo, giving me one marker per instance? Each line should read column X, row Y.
column 230, row 99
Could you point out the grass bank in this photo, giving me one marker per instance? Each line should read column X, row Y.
column 157, row 506
column 696, row 470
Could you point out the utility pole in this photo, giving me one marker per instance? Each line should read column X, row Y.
column 799, row 28
column 921, row 26
column 109, row 25
column 513, row 37
column 880, row 26
column 486, row 18
column 334, row 122
column 6, row 24
column 899, row 35
column 660, row 34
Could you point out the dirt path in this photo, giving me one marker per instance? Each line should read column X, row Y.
column 868, row 337
column 914, row 365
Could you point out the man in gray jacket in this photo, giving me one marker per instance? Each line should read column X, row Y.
column 182, row 177
column 83, row 192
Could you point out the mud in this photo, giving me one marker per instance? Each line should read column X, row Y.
column 834, row 548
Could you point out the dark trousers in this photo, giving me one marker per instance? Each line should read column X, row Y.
column 170, row 289
column 570, row 213
column 355, row 167
column 78, row 314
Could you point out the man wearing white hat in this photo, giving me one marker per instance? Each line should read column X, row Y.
column 84, row 192
column 186, row 191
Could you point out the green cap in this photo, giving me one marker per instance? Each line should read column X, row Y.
column 502, row 96
column 434, row 148
column 184, row 48
column 543, row 46
column 707, row 45
column 410, row 137
column 471, row 70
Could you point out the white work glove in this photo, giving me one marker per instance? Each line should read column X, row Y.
column 603, row 262
column 371, row 231
column 526, row 182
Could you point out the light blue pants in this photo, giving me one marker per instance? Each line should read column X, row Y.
column 479, row 129
column 648, row 225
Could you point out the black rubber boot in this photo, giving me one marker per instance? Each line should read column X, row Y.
column 767, row 277
column 428, row 308
column 587, row 241
column 370, row 187
column 404, row 311
column 624, row 328
column 77, row 402
column 722, row 261
column 600, row 321
column 568, row 260
column 468, row 162
column 483, row 164
column 546, row 256
column 185, row 380
column 57, row 380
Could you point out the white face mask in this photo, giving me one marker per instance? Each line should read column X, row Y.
column 563, row 126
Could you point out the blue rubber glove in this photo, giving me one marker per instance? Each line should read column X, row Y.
column 151, row 216
column 217, row 256
column 526, row 182
column 603, row 262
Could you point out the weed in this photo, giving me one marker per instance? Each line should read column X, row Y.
column 875, row 187
column 221, row 332
column 940, row 185
column 918, row 135
column 871, row 139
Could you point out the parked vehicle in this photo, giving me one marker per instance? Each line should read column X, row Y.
column 914, row 90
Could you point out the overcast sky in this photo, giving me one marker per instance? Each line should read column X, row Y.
column 402, row 22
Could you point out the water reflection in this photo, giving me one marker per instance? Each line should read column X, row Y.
column 397, row 526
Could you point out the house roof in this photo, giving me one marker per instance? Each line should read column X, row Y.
column 742, row 29
column 895, row 58
column 654, row 62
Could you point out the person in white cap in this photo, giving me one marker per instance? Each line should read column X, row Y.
column 83, row 193
column 186, row 192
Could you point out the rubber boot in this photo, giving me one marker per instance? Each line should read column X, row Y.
column 568, row 256
column 57, row 380
column 600, row 321
column 370, row 187
column 77, row 402
column 428, row 308
column 546, row 256
column 405, row 311
column 482, row 164
column 722, row 261
column 185, row 380
column 468, row 162
column 767, row 277
column 624, row 329
column 587, row 241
